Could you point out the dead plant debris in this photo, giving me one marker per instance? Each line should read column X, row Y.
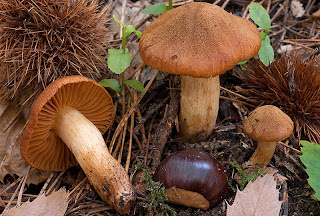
column 37, row 44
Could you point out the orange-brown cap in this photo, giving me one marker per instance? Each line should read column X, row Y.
column 268, row 124
column 40, row 146
column 199, row 40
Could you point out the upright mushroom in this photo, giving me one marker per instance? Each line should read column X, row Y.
column 65, row 126
column 268, row 125
column 198, row 41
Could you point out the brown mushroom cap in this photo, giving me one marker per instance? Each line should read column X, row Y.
column 199, row 40
column 40, row 146
column 268, row 124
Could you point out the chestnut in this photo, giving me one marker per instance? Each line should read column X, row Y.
column 196, row 172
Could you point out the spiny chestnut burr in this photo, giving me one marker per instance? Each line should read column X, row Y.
column 290, row 82
column 43, row 40
column 196, row 172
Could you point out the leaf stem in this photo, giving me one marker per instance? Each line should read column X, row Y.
column 170, row 5
column 124, row 39
column 122, row 83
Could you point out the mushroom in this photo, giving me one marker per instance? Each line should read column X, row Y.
column 198, row 41
column 192, row 178
column 65, row 126
column 268, row 125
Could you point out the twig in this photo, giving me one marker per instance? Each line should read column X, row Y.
column 291, row 158
column 2, row 203
column 294, row 32
column 124, row 132
column 72, row 207
column 22, row 186
column 130, row 143
column 114, row 154
column 112, row 121
column 55, row 183
column 77, row 186
column 148, row 141
column 237, row 95
column 151, row 113
column 13, row 195
column 11, row 185
column 279, row 11
column 238, row 101
column 128, row 114
column 296, row 44
column 268, row 6
column 291, row 148
column 143, row 131
column 225, row 4
column 216, row 2
column 160, row 136
column 46, row 183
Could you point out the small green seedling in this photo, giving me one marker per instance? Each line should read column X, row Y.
column 119, row 60
column 158, row 8
column 242, row 63
column 311, row 159
column 246, row 178
column 158, row 197
column 261, row 17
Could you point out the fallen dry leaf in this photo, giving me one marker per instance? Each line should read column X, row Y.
column 53, row 205
column 12, row 123
column 260, row 197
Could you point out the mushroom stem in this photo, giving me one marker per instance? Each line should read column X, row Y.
column 263, row 154
column 199, row 105
column 105, row 173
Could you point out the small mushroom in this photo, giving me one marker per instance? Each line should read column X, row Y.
column 192, row 178
column 65, row 126
column 268, row 125
column 198, row 41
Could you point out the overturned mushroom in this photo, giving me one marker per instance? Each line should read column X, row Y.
column 65, row 126
column 268, row 125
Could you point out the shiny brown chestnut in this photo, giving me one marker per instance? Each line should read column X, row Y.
column 195, row 171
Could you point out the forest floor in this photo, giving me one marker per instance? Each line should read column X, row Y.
column 154, row 129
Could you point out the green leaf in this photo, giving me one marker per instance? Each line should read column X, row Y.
column 311, row 159
column 155, row 9
column 263, row 35
column 128, row 30
column 139, row 33
column 136, row 84
column 111, row 83
column 118, row 21
column 266, row 53
column 260, row 16
column 242, row 63
column 118, row 61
